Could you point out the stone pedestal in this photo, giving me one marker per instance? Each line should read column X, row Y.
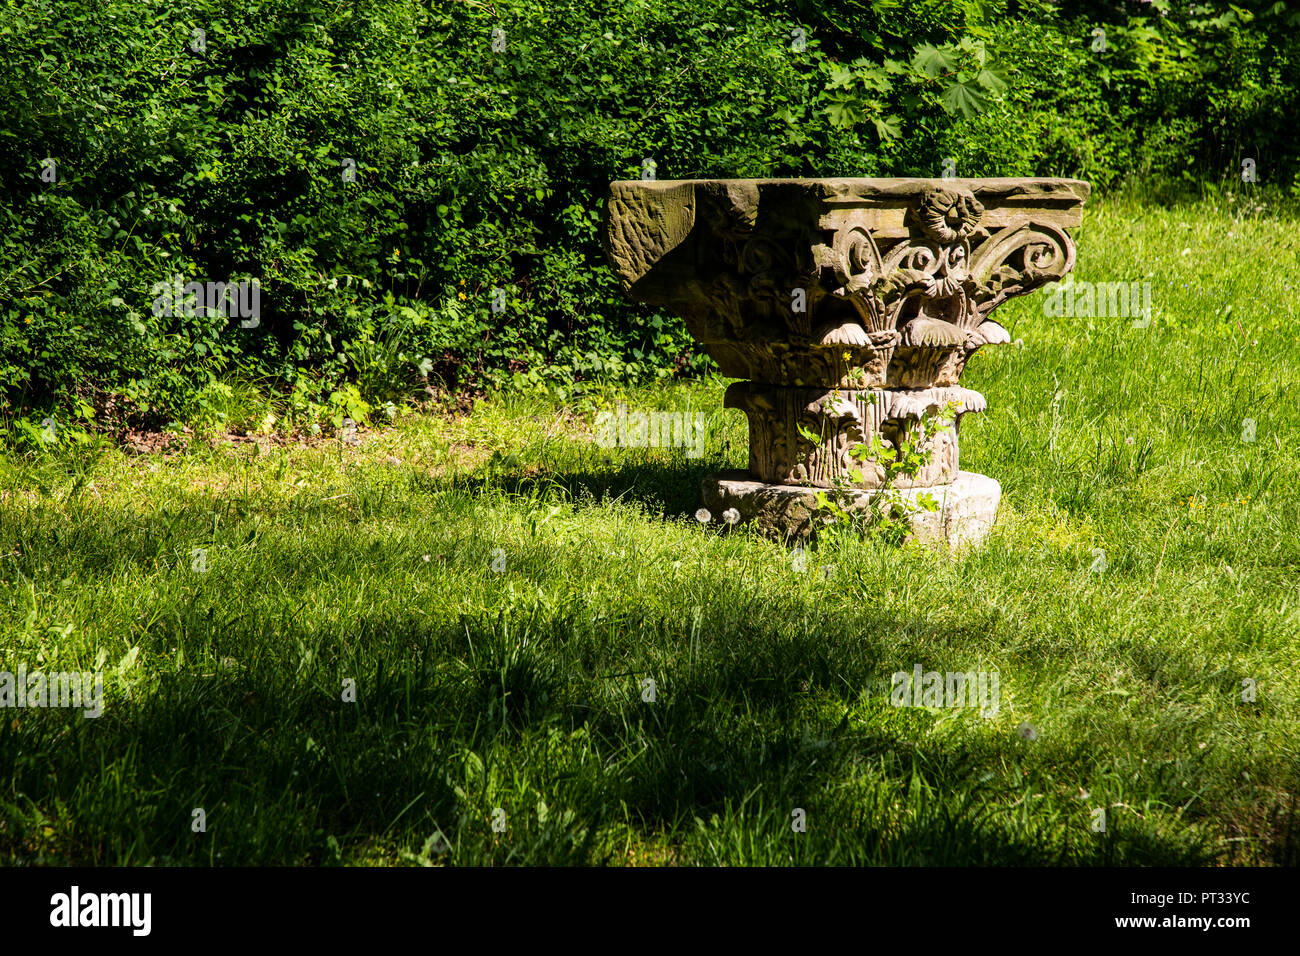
column 968, row 506
column 849, row 307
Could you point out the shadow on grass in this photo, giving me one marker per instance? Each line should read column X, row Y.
column 451, row 722
column 531, row 709
column 672, row 488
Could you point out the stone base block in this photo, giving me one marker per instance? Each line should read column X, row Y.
column 967, row 507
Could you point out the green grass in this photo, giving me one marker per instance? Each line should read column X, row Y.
column 521, row 689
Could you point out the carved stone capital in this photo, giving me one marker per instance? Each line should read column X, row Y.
column 850, row 306
column 848, row 283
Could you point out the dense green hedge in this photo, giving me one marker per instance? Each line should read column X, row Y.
column 481, row 157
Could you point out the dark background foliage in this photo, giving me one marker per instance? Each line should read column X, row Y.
column 220, row 156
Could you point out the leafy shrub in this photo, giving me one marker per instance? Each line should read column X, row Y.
column 417, row 188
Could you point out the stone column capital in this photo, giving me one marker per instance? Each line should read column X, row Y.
column 850, row 307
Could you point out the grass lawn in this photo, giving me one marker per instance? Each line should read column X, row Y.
column 497, row 589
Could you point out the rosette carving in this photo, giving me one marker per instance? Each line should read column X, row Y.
column 949, row 215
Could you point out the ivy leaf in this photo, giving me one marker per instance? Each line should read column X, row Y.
column 841, row 77
column 976, row 47
column 874, row 78
column 964, row 99
column 843, row 113
column 932, row 60
column 888, row 128
column 992, row 79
